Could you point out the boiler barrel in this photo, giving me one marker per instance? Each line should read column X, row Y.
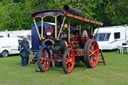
column 59, row 46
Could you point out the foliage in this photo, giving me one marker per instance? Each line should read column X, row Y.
column 15, row 14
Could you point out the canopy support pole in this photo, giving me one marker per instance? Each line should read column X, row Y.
column 42, row 25
column 69, row 32
column 37, row 29
column 61, row 28
column 56, row 27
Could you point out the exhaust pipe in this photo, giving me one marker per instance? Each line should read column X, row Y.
column 72, row 10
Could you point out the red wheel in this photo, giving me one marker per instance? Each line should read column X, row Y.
column 44, row 60
column 91, row 55
column 68, row 60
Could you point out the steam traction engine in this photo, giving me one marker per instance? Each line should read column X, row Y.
column 62, row 42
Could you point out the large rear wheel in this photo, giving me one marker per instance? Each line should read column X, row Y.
column 44, row 59
column 68, row 60
column 91, row 53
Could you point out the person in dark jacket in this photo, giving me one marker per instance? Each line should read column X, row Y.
column 24, row 51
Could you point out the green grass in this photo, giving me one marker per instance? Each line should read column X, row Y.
column 114, row 73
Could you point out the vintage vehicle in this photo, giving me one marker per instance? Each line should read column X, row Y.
column 62, row 42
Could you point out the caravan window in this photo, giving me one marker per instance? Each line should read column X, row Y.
column 117, row 35
column 102, row 36
column 21, row 37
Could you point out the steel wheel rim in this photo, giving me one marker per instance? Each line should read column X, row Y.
column 70, row 61
column 45, row 59
column 94, row 54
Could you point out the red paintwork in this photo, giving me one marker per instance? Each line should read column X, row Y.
column 75, row 41
column 70, row 61
column 83, row 19
column 94, row 54
column 52, row 31
column 45, row 59
column 78, row 52
column 85, row 36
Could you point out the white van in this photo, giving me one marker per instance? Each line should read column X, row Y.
column 8, row 46
column 4, row 34
column 14, row 34
column 110, row 38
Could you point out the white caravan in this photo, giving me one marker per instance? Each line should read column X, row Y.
column 8, row 46
column 110, row 38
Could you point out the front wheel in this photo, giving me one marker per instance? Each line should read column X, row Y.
column 44, row 60
column 91, row 53
column 68, row 60
column 4, row 53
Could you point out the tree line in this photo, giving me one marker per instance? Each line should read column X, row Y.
column 15, row 14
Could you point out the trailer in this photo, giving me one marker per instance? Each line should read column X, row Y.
column 110, row 38
column 63, row 42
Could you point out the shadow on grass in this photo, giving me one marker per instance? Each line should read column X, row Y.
column 14, row 55
column 59, row 69
column 110, row 50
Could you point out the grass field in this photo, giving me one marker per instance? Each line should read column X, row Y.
column 114, row 73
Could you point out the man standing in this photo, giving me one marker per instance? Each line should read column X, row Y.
column 24, row 51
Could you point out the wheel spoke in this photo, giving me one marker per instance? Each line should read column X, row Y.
column 43, row 66
column 91, row 60
column 95, row 58
column 41, row 61
column 90, row 51
column 95, row 51
column 68, row 65
column 67, row 61
column 90, row 55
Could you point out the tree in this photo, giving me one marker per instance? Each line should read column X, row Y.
column 15, row 14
